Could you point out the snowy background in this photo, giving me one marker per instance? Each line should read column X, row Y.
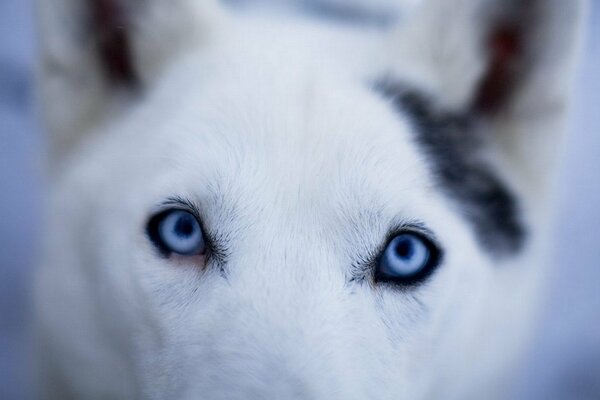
column 564, row 364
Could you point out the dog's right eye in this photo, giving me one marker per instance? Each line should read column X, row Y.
column 176, row 231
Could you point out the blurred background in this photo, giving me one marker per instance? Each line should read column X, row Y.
column 563, row 364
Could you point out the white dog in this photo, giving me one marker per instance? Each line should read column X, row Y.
column 257, row 206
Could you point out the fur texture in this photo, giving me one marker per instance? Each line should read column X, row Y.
column 300, row 168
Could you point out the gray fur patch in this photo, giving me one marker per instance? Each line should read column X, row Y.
column 453, row 145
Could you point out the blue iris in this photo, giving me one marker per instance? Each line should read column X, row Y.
column 178, row 231
column 407, row 258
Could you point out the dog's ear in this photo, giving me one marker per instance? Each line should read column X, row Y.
column 506, row 63
column 97, row 52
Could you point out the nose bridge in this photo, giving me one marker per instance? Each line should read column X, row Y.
column 287, row 276
column 287, row 299
column 294, row 337
column 291, row 249
column 287, row 318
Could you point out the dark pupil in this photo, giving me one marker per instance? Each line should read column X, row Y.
column 405, row 248
column 184, row 226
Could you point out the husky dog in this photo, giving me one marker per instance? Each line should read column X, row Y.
column 251, row 206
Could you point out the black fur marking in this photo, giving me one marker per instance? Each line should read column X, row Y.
column 452, row 142
column 110, row 26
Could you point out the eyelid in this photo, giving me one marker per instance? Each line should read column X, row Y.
column 215, row 249
column 414, row 226
column 363, row 268
column 175, row 203
column 180, row 203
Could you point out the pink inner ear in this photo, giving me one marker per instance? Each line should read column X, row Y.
column 110, row 26
column 505, row 48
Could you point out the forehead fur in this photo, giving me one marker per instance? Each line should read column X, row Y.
column 304, row 139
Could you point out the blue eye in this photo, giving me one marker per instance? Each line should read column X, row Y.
column 177, row 231
column 408, row 258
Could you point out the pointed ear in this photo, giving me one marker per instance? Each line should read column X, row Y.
column 507, row 63
column 96, row 52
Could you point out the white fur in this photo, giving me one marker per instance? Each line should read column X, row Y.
column 269, row 125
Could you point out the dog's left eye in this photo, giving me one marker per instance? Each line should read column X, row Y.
column 408, row 258
column 176, row 231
